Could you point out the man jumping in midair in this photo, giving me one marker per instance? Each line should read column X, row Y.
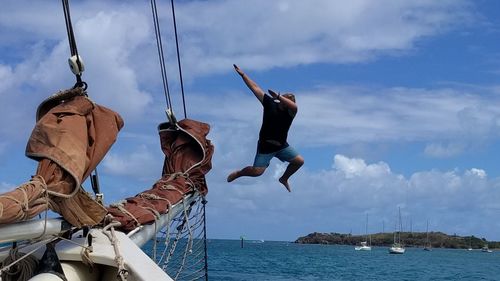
column 279, row 111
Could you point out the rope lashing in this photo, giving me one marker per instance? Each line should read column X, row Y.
column 27, row 206
column 122, row 271
column 121, row 206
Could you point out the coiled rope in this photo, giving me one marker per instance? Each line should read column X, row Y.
column 18, row 266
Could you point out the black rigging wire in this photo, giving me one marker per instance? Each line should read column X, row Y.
column 72, row 45
column 161, row 56
column 178, row 59
column 204, row 202
column 94, row 178
column 163, row 69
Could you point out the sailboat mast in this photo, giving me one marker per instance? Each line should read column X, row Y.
column 400, row 226
column 366, row 226
column 427, row 231
column 395, row 231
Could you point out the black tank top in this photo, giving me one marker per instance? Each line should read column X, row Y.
column 275, row 125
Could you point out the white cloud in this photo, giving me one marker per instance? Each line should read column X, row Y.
column 259, row 35
column 141, row 164
column 450, row 120
column 266, row 34
column 357, row 167
column 336, row 199
column 109, row 40
column 477, row 172
column 116, row 42
column 444, row 150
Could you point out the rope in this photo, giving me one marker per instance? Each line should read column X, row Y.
column 167, row 236
column 24, row 202
column 152, row 196
column 72, row 43
column 189, row 245
column 47, row 202
column 179, row 231
column 172, row 249
column 120, row 206
column 122, row 271
column 178, row 59
column 171, row 187
column 73, row 242
column 190, row 263
column 204, row 202
column 155, row 243
column 161, row 56
column 186, row 218
column 19, row 266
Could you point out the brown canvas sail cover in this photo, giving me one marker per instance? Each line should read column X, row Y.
column 188, row 157
column 70, row 138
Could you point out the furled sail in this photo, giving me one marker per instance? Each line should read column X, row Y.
column 188, row 156
column 71, row 136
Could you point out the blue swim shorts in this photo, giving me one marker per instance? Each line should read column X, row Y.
column 285, row 154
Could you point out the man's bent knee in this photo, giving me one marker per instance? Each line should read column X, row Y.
column 297, row 160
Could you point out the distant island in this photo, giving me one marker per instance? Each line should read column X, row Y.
column 409, row 239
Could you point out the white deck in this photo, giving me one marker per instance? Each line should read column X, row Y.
column 140, row 267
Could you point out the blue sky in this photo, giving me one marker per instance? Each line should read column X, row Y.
column 397, row 105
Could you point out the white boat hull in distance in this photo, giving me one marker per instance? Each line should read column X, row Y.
column 396, row 250
column 363, row 248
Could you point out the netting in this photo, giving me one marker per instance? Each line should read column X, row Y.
column 180, row 248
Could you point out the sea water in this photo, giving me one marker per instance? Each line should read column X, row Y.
column 280, row 261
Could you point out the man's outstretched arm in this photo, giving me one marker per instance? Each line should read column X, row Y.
column 256, row 90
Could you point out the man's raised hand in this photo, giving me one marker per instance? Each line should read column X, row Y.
column 240, row 72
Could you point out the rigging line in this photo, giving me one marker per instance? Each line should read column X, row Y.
column 161, row 56
column 204, row 202
column 72, row 43
column 179, row 59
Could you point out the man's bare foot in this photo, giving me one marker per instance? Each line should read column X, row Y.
column 232, row 176
column 285, row 183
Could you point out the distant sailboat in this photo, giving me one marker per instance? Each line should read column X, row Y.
column 470, row 244
column 364, row 245
column 485, row 249
column 397, row 247
column 427, row 246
